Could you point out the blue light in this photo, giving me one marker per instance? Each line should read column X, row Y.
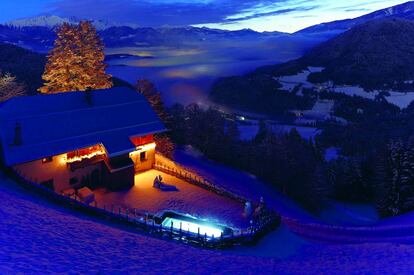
column 192, row 227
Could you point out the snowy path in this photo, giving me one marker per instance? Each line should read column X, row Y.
column 38, row 237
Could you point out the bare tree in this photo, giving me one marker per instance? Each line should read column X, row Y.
column 9, row 87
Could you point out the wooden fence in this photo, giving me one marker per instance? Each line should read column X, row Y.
column 169, row 167
column 147, row 223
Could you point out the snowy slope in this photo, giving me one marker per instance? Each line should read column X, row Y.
column 38, row 237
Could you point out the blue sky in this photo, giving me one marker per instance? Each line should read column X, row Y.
column 260, row 15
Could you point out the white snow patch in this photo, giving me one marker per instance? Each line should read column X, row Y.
column 402, row 100
column 289, row 82
column 331, row 153
column 354, row 90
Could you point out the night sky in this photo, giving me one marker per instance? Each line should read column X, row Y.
column 260, row 15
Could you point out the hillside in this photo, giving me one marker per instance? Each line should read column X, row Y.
column 40, row 237
column 375, row 55
column 27, row 66
column 402, row 11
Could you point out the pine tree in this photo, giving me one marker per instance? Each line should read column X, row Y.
column 91, row 52
column 150, row 92
column 262, row 132
column 393, row 200
column 76, row 61
column 164, row 143
column 63, row 65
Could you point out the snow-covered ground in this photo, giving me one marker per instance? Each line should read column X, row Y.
column 188, row 199
column 39, row 237
column 402, row 100
column 343, row 213
column 300, row 80
column 289, row 82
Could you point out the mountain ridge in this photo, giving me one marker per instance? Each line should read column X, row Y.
column 53, row 21
column 402, row 11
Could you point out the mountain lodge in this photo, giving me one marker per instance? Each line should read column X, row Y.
column 92, row 138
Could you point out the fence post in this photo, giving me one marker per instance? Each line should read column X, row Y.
column 198, row 233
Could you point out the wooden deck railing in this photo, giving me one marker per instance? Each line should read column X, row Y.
column 148, row 223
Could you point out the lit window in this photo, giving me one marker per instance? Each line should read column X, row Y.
column 46, row 160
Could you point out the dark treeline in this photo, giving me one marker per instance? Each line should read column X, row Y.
column 376, row 166
column 378, row 162
column 290, row 163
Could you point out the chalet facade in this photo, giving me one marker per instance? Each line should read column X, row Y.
column 65, row 140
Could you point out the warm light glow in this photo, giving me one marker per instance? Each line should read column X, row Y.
column 210, row 231
column 143, row 148
column 87, row 156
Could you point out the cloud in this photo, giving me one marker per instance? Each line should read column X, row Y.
column 262, row 15
column 164, row 12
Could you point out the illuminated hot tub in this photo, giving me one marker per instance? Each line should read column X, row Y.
column 190, row 224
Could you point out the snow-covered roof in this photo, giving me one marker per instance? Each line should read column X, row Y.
column 59, row 123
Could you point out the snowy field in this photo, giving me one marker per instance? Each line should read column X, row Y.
column 189, row 199
column 290, row 82
column 38, row 237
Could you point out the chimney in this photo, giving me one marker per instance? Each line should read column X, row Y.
column 88, row 96
column 18, row 140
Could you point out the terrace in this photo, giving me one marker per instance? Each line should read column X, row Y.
column 188, row 199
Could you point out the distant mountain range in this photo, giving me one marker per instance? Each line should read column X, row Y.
column 403, row 11
column 39, row 34
column 52, row 21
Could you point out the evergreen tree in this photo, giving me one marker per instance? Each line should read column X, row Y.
column 392, row 201
column 63, row 67
column 262, row 132
column 148, row 89
column 76, row 61
column 145, row 87
column 91, row 52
